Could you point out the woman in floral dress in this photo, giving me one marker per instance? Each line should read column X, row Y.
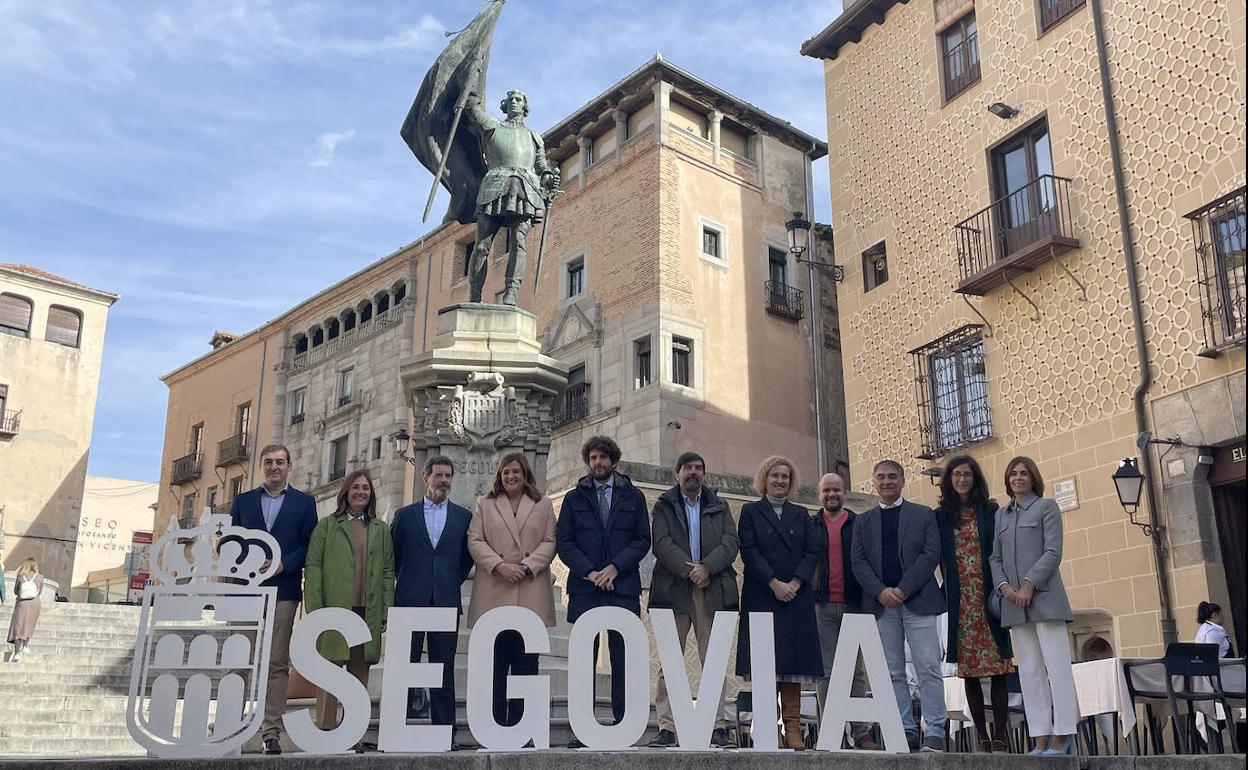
column 975, row 640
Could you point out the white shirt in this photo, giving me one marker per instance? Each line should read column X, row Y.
column 1212, row 633
column 895, row 504
column 435, row 520
column 693, row 514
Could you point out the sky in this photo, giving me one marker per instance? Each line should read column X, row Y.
column 215, row 162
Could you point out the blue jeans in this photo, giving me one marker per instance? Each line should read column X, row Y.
column 899, row 627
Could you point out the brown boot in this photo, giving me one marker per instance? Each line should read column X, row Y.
column 791, row 714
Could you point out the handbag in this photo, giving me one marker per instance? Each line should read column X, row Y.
column 994, row 604
column 28, row 589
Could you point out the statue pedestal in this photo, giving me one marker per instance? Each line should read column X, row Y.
column 483, row 391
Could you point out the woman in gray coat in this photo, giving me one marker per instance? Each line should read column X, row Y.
column 1026, row 552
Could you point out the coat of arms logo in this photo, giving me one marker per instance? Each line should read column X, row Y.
column 482, row 413
column 198, row 681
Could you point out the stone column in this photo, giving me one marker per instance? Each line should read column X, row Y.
column 713, row 119
column 662, row 103
column 585, row 143
column 621, row 133
column 483, row 391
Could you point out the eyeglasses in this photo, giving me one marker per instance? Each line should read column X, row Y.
column 962, row 475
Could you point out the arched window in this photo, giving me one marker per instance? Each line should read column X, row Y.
column 15, row 314
column 383, row 303
column 64, row 326
column 366, row 311
column 400, row 291
column 348, row 320
column 332, row 328
column 318, row 336
column 301, row 343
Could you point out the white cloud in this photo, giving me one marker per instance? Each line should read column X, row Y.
column 327, row 145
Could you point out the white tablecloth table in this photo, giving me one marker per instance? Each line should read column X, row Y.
column 956, row 706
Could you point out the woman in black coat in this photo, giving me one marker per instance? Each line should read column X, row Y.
column 780, row 546
column 975, row 641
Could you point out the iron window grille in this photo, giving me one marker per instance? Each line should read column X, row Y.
column 575, row 403
column 1218, row 230
column 951, row 386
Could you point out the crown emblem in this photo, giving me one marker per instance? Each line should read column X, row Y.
column 214, row 552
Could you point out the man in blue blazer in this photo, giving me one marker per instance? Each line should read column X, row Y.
column 894, row 554
column 289, row 516
column 602, row 535
column 431, row 562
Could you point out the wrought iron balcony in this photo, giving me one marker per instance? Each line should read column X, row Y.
column 1221, row 238
column 186, row 468
column 345, row 400
column 232, row 450
column 575, row 404
column 10, row 422
column 783, row 300
column 1015, row 234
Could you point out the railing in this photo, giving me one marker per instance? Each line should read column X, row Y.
column 369, row 328
column 1035, row 215
column 295, row 419
column 187, row 522
column 1053, row 11
column 575, row 404
column 962, row 66
column 10, row 422
column 345, row 399
column 1221, row 237
column 783, row 300
column 186, row 469
column 232, row 450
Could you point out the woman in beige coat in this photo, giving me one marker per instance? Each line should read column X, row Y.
column 512, row 541
column 27, row 586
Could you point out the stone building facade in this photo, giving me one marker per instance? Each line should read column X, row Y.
column 668, row 290
column 988, row 303
column 51, row 343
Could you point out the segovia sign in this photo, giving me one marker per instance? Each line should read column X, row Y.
column 198, row 681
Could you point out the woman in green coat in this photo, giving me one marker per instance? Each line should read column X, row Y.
column 350, row 564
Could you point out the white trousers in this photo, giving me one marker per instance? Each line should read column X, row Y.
column 1043, row 655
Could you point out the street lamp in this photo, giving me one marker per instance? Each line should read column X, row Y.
column 401, row 440
column 799, row 233
column 799, row 241
column 1129, row 483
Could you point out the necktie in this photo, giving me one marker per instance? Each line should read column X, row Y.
column 603, row 507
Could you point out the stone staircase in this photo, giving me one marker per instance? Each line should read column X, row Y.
column 67, row 696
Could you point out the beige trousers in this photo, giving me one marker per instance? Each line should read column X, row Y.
column 700, row 619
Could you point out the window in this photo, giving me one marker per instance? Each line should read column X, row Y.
column 332, row 329
column 711, row 246
column 4, row 398
column 575, row 280
column 777, row 266
column 338, row 458
column 348, row 320
column 197, row 439
column 952, row 387
column 318, row 337
column 366, row 312
column 400, row 289
column 1220, row 236
column 301, row 344
column 383, row 303
column 959, row 52
column 346, row 386
column 15, row 314
column 874, row 266
column 376, row 449
column 236, row 487
column 298, row 399
column 242, row 419
column 64, row 326
column 464, row 255
column 1053, row 11
column 575, row 397
column 189, row 516
column 9, row 421
column 211, row 498
column 682, row 361
column 641, row 362
column 1023, row 181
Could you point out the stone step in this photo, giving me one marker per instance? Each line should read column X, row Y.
column 113, row 728
column 71, row 747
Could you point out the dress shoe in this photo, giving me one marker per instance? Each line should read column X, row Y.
column 866, row 742
column 719, row 739
column 663, row 739
column 272, row 746
column 1067, row 750
column 913, row 740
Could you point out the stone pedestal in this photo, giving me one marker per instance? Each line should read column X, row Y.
column 483, row 391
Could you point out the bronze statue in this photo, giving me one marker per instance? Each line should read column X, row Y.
column 496, row 170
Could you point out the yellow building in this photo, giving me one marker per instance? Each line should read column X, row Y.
column 981, row 191
column 51, row 341
column 113, row 510
column 668, row 289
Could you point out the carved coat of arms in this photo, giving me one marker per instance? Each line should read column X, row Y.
column 482, row 413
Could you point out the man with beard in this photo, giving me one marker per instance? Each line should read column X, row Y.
column 431, row 562
column 837, row 592
column 602, row 535
column 289, row 516
column 695, row 544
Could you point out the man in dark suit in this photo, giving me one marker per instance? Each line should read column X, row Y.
column 431, row 562
column 895, row 550
column 289, row 516
column 602, row 535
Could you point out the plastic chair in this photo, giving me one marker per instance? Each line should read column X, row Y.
column 1147, row 698
column 1236, row 697
column 1190, row 662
